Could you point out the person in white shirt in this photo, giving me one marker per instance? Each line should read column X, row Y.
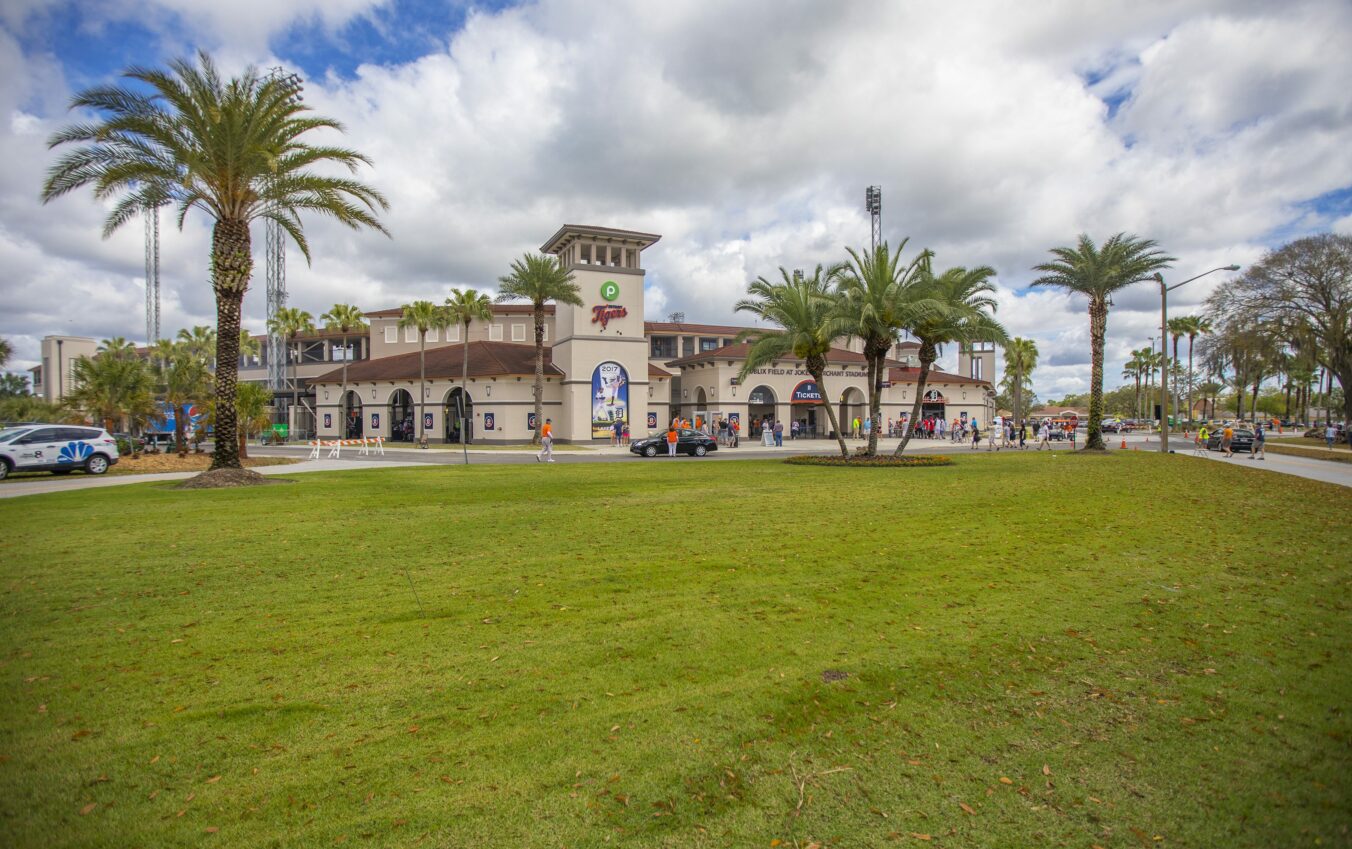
column 1044, row 437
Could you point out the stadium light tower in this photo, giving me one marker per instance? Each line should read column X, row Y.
column 275, row 249
column 873, row 202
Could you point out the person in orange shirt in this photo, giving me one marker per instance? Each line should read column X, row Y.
column 1227, row 441
column 546, row 443
column 673, row 436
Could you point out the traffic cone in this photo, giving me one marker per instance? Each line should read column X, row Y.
column 1124, row 441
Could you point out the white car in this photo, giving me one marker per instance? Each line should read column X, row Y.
column 56, row 448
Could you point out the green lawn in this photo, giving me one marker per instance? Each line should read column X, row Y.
column 1019, row 650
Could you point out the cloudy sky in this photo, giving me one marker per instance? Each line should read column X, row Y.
column 744, row 133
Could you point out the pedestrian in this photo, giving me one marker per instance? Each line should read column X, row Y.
column 1070, row 434
column 779, row 433
column 1023, row 436
column 735, row 428
column 673, row 435
column 1203, row 436
column 992, row 436
column 617, row 431
column 1258, row 448
column 1044, row 437
column 858, row 428
column 546, row 443
column 976, row 436
column 1227, row 438
column 1330, row 435
column 793, row 430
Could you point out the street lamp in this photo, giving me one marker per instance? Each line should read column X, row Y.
column 1164, row 349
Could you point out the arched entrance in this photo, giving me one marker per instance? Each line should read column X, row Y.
column 701, row 406
column 852, row 405
column 402, row 411
column 351, row 415
column 459, row 404
column 760, row 405
column 932, row 404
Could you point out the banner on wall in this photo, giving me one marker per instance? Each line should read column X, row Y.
column 488, row 421
column 328, row 420
column 530, row 420
column 427, row 421
column 610, row 398
column 652, row 421
column 375, row 420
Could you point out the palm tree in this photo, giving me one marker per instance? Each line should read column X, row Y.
column 539, row 279
column 200, row 342
column 1097, row 272
column 880, row 299
column 464, row 307
column 113, row 388
column 249, row 346
column 807, row 312
column 184, row 380
column 6, row 351
column 344, row 319
column 1193, row 326
column 253, row 406
column 232, row 149
column 423, row 315
column 1135, row 369
column 1020, row 360
column 117, row 348
column 960, row 307
column 1178, row 328
column 291, row 322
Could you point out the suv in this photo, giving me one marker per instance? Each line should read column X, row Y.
column 56, row 448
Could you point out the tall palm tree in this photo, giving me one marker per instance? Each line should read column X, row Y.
column 960, row 309
column 161, row 350
column 117, row 347
column 807, row 311
column 464, row 307
column 880, row 299
column 423, row 315
column 539, row 279
column 1097, row 272
column 200, row 342
column 1178, row 328
column 235, row 150
column 290, row 323
column 249, row 345
column 6, row 351
column 344, row 319
column 1195, row 325
column 1135, row 368
column 1020, row 360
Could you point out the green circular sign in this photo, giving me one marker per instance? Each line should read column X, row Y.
column 610, row 290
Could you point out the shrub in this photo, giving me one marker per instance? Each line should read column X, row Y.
column 880, row 461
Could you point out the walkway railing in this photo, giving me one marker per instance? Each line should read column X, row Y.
column 368, row 445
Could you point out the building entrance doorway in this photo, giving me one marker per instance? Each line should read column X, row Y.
column 351, row 415
column 459, row 404
column 932, row 405
column 760, row 406
column 852, row 406
column 401, row 417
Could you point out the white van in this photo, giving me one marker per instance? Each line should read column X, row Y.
column 56, row 448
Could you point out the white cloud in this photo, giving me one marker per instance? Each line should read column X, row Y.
column 745, row 136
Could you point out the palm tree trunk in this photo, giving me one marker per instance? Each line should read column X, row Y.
column 1098, row 328
column 422, row 378
column 342, row 404
column 928, row 354
column 1018, row 397
column 231, row 267
column 539, row 316
column 180, row 444
column 818, row 372
column 464, row 391
column 869, row 447
column 1191, row 377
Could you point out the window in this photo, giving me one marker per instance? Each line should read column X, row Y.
column 976, row 369
column 687, row 346
column 495, row 332
column 79, row 433
column 584, row 254
column 453, row 333
column 45, row 434
column 410, row 334
column 630, row 258
column 664, row 346
column 391, row 334
column 432, row 334
column 708, row 345
column 518, row 333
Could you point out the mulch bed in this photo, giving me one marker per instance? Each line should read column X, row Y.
column 880, row 461
column 227, row 478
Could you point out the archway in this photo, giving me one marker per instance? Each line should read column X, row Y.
column 351, row 416
column 760, row 405
column 932, row 404
column 852, row 405
column 402, row 411
column 459, row 404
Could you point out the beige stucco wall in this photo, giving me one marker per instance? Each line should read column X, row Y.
column 509, row 326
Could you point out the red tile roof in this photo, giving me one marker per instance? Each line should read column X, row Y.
column 912, row 375
column 658, row 371
column 486, row 359
column 739, row 352
column 681, row 328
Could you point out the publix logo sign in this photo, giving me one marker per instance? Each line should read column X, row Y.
column 610, row 290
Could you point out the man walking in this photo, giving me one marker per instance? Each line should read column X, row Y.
column 1258, row 448
column 546, row 443
column 1227, row 438
column 1330, row 435
column 779, row 433
column 1044, row 437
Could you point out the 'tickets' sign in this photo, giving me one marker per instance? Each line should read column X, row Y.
column 603, row 313
column 806, row 392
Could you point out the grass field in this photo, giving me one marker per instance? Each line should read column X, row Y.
column 1018, row 650
column 151, row 464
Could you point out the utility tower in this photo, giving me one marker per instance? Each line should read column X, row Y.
column 873, row 202
column 152, row 214
column 274, row 245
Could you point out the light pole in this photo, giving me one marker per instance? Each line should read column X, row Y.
column 1164, row 348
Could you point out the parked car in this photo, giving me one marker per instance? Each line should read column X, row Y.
column 689, row 441
column 1113, row 426
column 1242, row 441
column 56, row 448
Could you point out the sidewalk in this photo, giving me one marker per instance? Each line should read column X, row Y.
column 40, row 486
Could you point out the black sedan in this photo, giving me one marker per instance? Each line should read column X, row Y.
column 691, row 442
column 1242, row 441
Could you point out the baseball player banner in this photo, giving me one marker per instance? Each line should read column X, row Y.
column 610, row 398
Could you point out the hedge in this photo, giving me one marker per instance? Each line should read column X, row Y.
column 880, row 461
